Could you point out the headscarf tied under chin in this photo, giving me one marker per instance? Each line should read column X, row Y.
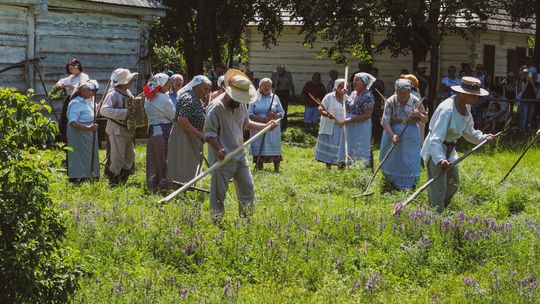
column 366, row 78
column 339, row 82
column 196, row 81
column 259, row 91
column 155, row 84
column 403, row 84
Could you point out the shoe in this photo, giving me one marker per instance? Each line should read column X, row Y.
column 114, row 180
column 124, row 175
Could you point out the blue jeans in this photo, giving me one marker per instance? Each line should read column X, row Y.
column 526, row 114
column 311, row 115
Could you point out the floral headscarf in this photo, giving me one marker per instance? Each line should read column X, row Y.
column 155, row 84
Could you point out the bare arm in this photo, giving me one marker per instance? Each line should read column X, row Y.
column 79, row 126
column 218, row 148
column 359, row 118
column 186, row 125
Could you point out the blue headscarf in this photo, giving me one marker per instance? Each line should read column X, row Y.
column 403, row 84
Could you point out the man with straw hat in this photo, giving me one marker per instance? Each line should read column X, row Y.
column 451, row 121
column 226, row 119
column 120, row 138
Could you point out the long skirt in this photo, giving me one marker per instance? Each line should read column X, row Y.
column 359, row 142
column 156, row 157
column 184, row 156
column 271, row 149
column 328, row 146
column 79, row 161
column 402, row 167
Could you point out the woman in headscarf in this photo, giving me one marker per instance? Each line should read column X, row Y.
column 358, row 120
column 402, row 112
column 74, row 69
column 81, row 129
column 187, row 136
column 160, row 112
column 415, row 91
column 330, row 140
column 267, row 107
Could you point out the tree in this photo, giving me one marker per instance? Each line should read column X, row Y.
column 416, row 26
column 524, row 13
column 211, row 30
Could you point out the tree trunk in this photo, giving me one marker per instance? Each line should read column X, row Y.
column 435, row 41
column 536, row 55
column 212, row 29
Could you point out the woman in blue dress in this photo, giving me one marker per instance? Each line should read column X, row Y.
column 330, row 140
column 81, row 135
column 267, row 107
column 402, row 113
column 358, row 120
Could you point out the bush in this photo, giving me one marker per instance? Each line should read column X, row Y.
column 35, row 265
column 166, row 55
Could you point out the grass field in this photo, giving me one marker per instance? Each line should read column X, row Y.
column 308, row 241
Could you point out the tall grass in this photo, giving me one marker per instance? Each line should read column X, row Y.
column 308, row 241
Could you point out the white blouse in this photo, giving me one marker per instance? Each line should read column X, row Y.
column 335, row 107
column 72, row 80
column 447, row 125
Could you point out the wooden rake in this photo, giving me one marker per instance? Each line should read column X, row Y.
column 216, row 165
column 400, row 206
column 520, row 157
column 364, row 192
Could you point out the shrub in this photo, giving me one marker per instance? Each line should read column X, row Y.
column 35, row 266
column 171, row 56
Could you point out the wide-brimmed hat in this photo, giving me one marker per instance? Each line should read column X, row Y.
column 122, row 76
column 239, row 87
column 470, row 85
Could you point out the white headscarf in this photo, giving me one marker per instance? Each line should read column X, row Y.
column 196, row 81
column 259, row 95
column 338, row 82
column 366, row 78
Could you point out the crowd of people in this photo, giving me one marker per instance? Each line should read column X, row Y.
column 217, row 111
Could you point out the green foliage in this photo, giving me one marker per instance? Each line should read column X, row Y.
column 168, row 55
column 516, row 200
column 57, row 94
column 210, row 32
column 35, row 266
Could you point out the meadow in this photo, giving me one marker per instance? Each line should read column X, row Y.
column 308, row 240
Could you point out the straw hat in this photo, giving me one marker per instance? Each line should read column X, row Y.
column 122, row 76
column 470, row 85
column 239, row 87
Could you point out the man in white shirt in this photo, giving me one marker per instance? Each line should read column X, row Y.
column 451, row 121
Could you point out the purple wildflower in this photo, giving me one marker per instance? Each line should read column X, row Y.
column 190, row 249
column 404, row 247
column 447, row 224
column 183, row 293
column 226, row 290
column 468, row 281
column 426, row 241
column 119, row 288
